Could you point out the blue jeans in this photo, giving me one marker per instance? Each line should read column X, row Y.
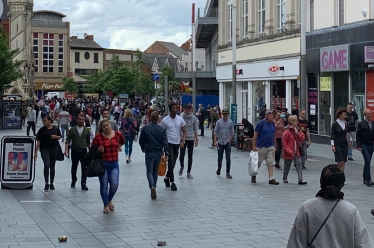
column 64, row 128
column 128, row 145
column 152, row 160
column 367, row 153
column 111, row 176
column 221, row 149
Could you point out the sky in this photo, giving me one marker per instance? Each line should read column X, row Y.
column 127, row 24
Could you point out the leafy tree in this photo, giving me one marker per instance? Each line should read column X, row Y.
column 9, row 69
column 70, row 86
column 173, row 84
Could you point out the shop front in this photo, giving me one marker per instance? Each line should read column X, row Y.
column 273, row 83
column 41, row 89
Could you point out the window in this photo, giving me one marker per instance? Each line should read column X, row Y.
column 281, row 14
column 245, row 17
column 85, row 71
column 96, row 58
column 77, row 55
column 261, row 16
column 229, row 26
column 340, row 14
column 311, row 16
column 87, row 55
column 48, row 50
column 60, row 53
column 35, row 49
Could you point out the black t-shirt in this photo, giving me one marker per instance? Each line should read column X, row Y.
column 303, row 125
column 351, row 120
column 44, row 135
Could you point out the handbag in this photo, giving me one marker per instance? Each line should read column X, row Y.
column 162, row 167
column 96, row 168
column 60, row 154
column 300, row 146
column 311, row 242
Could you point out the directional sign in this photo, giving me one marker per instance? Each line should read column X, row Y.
column 155, row 77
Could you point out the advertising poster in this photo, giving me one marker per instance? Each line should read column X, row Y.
column 370, row 90
column 12, row 111
column 17, row 159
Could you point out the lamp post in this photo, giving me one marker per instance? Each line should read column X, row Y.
column 193, row 59
column 233, row 43
column 303, row 83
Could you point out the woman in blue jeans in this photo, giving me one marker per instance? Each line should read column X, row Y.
column 109, row 144
column 128, row 130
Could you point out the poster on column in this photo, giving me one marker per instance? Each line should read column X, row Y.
column 17, row 159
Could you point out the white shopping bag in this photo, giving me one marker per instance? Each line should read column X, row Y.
column 253, row 163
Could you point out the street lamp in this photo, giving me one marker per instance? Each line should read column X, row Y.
column 232, row 4
column 303, row 84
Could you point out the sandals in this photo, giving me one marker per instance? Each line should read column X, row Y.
column 106, row 210
column 111, row 206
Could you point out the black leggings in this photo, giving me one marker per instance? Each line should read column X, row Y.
column 189, row 145
column 278, row 152
column 30, row 124
column 49, row 156
column 173, row 156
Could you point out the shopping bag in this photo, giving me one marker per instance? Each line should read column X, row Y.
column 162, row 167
column 253, row 163
column 206, row 122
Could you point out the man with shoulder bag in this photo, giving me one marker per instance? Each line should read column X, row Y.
column 79, row 136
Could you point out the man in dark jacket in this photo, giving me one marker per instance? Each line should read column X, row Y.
column 153, row 142
column 365, row 139
column 202, row 116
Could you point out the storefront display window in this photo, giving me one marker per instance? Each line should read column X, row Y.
column 358, row 92
column 226, row 94
column 258, row 99
column 244, row 100
column 313, row 102
column 325, row 104
column 341, row 82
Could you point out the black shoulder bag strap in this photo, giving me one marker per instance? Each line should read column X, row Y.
column 311, row 242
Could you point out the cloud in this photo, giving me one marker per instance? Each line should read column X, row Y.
column 127, row 24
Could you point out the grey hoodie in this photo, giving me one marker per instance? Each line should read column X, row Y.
column 192, row 124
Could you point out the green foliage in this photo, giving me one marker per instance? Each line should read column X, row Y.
column 120, row 78
column 70, row 86
column 9, row 69
column 173, row 84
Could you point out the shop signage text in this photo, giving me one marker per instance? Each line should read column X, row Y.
column 369, row 54
column 334, row 58
column 325, row 83
column 49, row 86
column 273, row 69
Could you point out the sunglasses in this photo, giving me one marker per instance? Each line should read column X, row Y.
column 225, row 113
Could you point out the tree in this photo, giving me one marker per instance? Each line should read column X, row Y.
column 9, row 69
column 173, row 84
column 70, row 86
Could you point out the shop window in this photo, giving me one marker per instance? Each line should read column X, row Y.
column 325, row 104
column 258, row 99
column 358, row 92
column 312, row 116
column 226, row 94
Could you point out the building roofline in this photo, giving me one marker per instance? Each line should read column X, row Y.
column 50, row 11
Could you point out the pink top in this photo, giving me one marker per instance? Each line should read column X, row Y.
column 279, row 128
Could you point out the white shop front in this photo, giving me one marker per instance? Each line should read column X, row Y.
column 273, row 83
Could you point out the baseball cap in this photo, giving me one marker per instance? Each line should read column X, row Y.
column 225, row 111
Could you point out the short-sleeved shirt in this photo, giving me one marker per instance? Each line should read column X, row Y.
column 111, row 146
column 223, row 130
column 44, row 135
column 351, row 120
column 304, row 126
column 266, row 131
column 173, row 128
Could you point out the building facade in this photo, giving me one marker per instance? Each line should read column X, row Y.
column 20, row 14
column 86, row 57
column 50, row 36
column 267, row 55
column 127, row 56
column 340, row 61
column 4, row 19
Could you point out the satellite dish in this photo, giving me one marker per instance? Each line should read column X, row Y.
column 1, row 8
column 85, row 35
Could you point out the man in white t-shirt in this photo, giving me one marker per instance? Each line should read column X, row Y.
column 174, row 125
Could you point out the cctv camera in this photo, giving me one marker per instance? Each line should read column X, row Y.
column 364, row 12
column 264, row 83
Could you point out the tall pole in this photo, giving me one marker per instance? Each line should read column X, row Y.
column 233, row 42
column 303, row 83
column 166, row 94
column 193, row 60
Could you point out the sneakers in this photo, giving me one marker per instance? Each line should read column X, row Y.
column 218, row 172
column 350, row 159
column 84, row 187
column 167, row 182
column 51, row 186
column 285, row 181
column 228, row 176
column 304, row 168
column 153, row 193
column 46, row 187
column 211, row 147
column 189, row 176
column 273, row 182
column 302, row 182
column 181, row 171
column 72, row 185
column 173, row 187
column 253, row 179
column 277, row 167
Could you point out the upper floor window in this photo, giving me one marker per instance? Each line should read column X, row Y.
column 281, row 14
column 77, row 55
column 229, row 26
column 245, row 17
column 311, row 16
column 340, row 12
column 261, row 16
column 96, row 58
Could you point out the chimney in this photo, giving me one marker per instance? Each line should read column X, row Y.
column 90, row 37
column 74, row 37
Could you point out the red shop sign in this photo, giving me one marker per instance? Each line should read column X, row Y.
column 370, row 89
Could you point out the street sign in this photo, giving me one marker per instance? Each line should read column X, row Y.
column 234, row 113
column 155, row 77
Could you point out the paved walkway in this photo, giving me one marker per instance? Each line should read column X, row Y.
column 208, row 211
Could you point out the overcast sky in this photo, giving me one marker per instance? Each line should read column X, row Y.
column 127, row 24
